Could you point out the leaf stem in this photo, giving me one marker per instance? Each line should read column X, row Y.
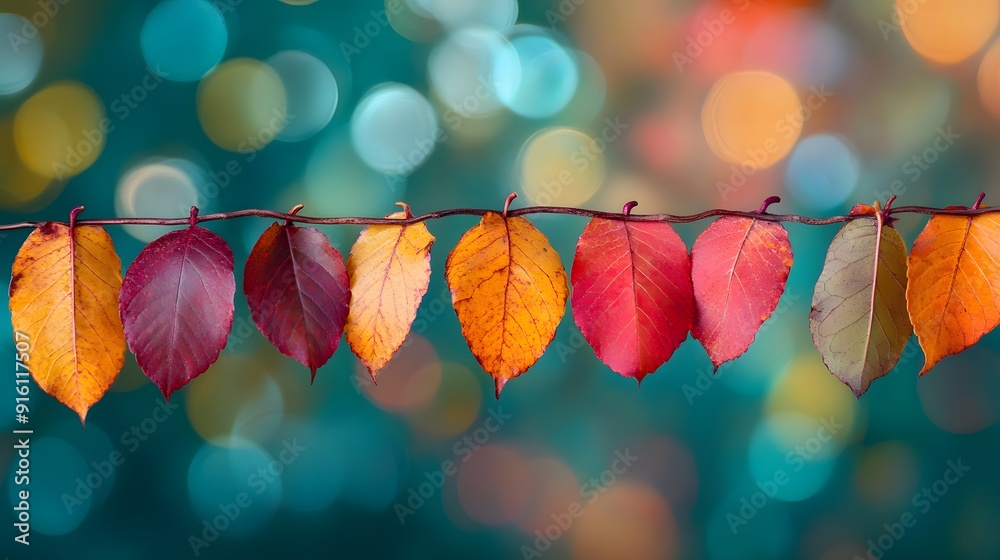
column 767, row 202
column 73, row 214
column 979, row 201
column 506, row 204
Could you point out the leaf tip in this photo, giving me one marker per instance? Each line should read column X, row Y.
column 500, row 382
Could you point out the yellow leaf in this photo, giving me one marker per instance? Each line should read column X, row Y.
column 64, row 298
column 509, row 290
column 390, row 268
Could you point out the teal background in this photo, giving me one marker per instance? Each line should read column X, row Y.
column 703, row 442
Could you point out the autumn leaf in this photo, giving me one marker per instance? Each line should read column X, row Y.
column 953, row 295
column 390, row 269
column 64, row 297
column 739, row 268
column 858, row 320
column 509, row 290
column 632, row 294
column 296, row 288
column 177, row 305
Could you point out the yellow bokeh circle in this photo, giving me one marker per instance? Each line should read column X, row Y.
column 61, row 131
column 989, row 80
column 242, row 105
column 237, row 399
column 753, row 119
column 947, row 31
column 21, row 189
column 807, row 388
column 562, row 166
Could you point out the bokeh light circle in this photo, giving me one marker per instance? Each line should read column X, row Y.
column 165, row 187
column 182, row 40
column 20, row 55
column 299, row 2
column 807, row 388
column 375, row 464
column 61, row 130
column 409, row 381
column 629, row 521
column 238, row 401
column 235, row 487
column 886, row 474
column 315, row 478
column 961, row 396
column 338, row 182
column 455, row 406
column 493, row 484
column 242, row 105
column 21, row 188
column 465, row 68
column 311, row 93
column 552, row 488
column 793, row 455
column 394, row 129
column 947, row 31
column 988, row 80
column 411, row 20
column 455, row 14
column 822, row 172
column 561, row 167
column 798, row 44
column 752, row 118
column 546, row 75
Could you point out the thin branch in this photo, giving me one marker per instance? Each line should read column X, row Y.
column 294, row 217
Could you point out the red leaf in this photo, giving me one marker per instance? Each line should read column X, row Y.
column 739, row 267
column 177, row 305
column 632, row 295
column 297, row 288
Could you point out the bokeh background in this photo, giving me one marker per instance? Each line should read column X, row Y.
column 145, row 108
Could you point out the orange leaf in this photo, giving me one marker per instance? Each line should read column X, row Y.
column 390, row 268
column 953, row 295
column 509, row 290
column 64, row 297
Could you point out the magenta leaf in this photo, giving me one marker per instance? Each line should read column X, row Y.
column 298, row 291
column 177, row 305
